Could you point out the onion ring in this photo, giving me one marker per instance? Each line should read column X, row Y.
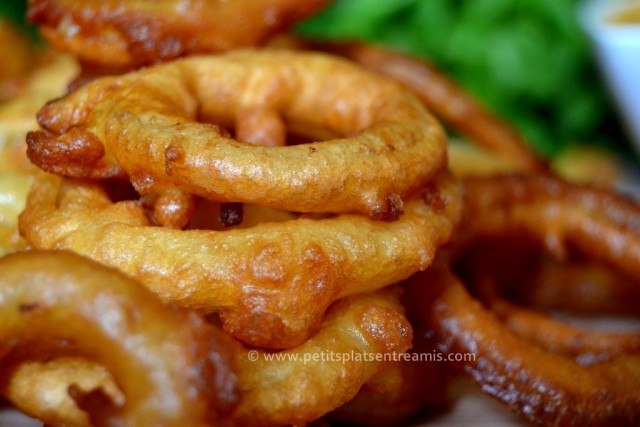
column 126, row 33
column 14, row 187
column 271, row 283
column 359, row 337
column 173, row 370
column 397, row 393
column 17, row 116
column 544, row 387
column 493, row 269
column 143, row 125
column 601, row 224
column 299, row 386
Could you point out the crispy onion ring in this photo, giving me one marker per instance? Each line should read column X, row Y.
column 144, row 125
column 271, row 283
column 543, row 386
column 172, row 369
column 298, row 387
column 127, row 33
column 359, row 337
column 443, row 96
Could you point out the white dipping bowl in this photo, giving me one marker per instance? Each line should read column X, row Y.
column 617, row 49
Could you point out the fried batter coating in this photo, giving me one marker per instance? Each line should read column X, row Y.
column 46, row 81
column 17, row 117
column 555, row 213
column 546, row 388
column 560, row 216
column 358, row 339
column 467, row 160
column 271, row 283
column 130, row 33
column 170, row 206
column 516, row 366
column 479, row 266
column 14, row 187
column 591, row 288
column 150, row 126
column 172, row 369
column 443, row 96
column 41, row 389
column 397, row 393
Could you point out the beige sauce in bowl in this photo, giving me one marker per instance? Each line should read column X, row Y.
column 629, row 15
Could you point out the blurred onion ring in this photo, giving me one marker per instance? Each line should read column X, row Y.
column 596, row 221
column 126, row 33
column 560, row 216
column 295, row 388
column 545, row 387
column 14, row 187
column 586, row 346
column 272, row 282
column 171, row 367
column 397, row 393
column 148, row 125
column 592, row 288
column 41, row 389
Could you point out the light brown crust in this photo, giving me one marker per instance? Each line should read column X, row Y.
column 359, row 337
column 555, row 213
column 130, row 33
column 172, row 369
column 445, row 98
column 18, row 57
column 147, row 121
column 271, row 282
column 299, row 386
column 545, row 388
column 517, row 366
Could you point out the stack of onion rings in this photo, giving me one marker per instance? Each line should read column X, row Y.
column 295, row 260
column 272, row 282
column 144, row 125
column 212, row 136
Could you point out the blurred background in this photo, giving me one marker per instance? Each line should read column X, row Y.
column 529, row 61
